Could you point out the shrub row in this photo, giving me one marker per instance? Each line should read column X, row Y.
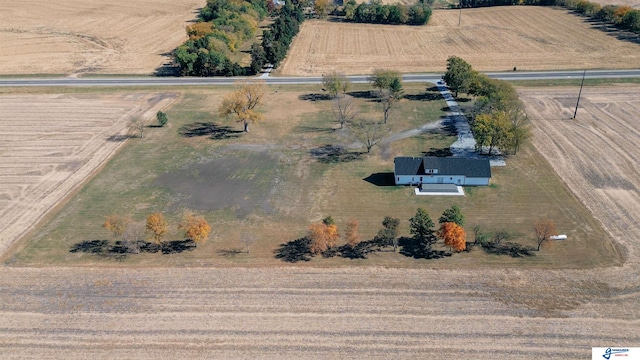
column 377, row 13
column 276, row 41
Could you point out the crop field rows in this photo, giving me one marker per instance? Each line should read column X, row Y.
column 97, row 36
column 52, row 143
column 597, row 153
column 491, row 39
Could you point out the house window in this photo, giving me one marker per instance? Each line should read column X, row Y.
column 420, row 178
column 398, row 179
column 450, row 178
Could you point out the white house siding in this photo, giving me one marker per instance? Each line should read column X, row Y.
column 477, row 181
column 435, row 179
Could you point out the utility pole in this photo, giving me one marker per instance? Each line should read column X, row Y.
column 579, row 94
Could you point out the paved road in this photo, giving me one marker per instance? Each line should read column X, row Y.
column 189, row 81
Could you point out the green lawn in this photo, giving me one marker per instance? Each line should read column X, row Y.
column 271, row 184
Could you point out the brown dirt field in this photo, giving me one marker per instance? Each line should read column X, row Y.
column 597, row 153
column 52, row 143
column 91, row 36
column 491, row 39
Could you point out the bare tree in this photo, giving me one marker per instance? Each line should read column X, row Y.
column 389, row 100
column 368, row 132
column 248, row 240
column 344, row 109
column 543, row 229
column 137, row 125
column 133, row 235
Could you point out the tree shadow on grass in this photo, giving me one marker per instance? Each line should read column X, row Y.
column 314, row 97
column 119, row 138
column 121, row 249
column 366, row 94
column 507, row 248
column 177, row 246
column 330, row 154
column 228, row 253
column 411, row 248
column 381, row 179
column 214, row 131
column 438, row 152
column 91, row 246
column 314, row 129
column 295, row 250
column 426, row 96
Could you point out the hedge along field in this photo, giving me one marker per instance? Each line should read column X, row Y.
column 271, row 183
column 491, row 39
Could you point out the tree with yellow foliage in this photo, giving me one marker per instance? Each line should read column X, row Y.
column 157, row 226
column 453, row 235
column 242, row 103
column 116, row 224
column 351, row 234
column 323, row 235
column 195, row 227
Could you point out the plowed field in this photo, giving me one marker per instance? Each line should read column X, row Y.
column 597, row 153
column 91, row 36
column 51, row 143
column 491, row 39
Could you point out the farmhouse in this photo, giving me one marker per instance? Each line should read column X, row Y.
column 441, row 170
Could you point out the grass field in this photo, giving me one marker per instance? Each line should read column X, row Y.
column 491, row 39
column 269, row 183
column 96, row 36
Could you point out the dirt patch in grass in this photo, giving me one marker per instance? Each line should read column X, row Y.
column 242, row 182
column 491, row 39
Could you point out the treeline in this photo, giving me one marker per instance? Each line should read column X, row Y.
column 623, row 17
column 377, row 13
column 224, row 25
column 322, row 238
column 276, row 41
column 497, row 118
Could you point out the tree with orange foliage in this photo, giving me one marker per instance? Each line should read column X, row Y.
column 351, row 234
column 543, row 229
column 117, row 224
column 323, row 235
column 242, row 103
column 199, row 30
column 157, row 226
column 453, row 235
column 195, row 227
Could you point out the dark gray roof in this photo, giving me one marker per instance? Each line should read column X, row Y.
column 476, row 168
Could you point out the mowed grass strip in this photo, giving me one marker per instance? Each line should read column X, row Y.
column 269, row 184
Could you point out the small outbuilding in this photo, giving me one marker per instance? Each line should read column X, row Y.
column 441, row 170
